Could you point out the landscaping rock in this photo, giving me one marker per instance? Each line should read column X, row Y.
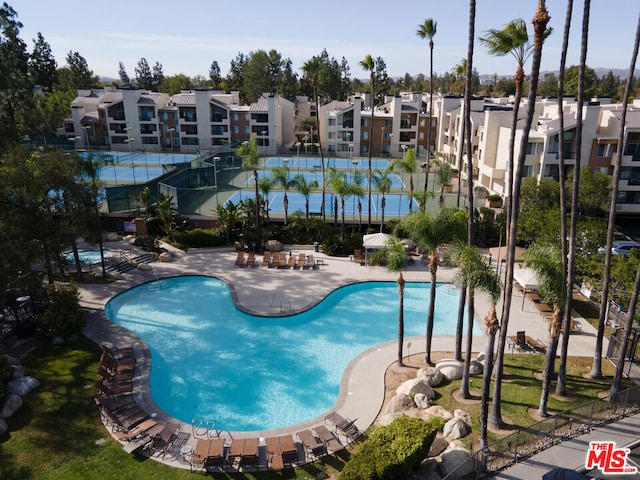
column 165, row 257
column 464, row 416
column 439, row 411
column 273, row 245
column 22, row 386
column 145, row 267
column 456, row 459
column 3, row 427
column 456, row 428
column 421, row 400
column 415, row 386
column 451, row 369
column 438, row 446
column 431, row 375
column 11, row 405
column 386, row 419
column 400, row 403
column 475, row 367
column 18, row 371
column 8, row 360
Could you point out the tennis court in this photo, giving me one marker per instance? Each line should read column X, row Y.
column 128, row 173
column 142, row 158
column 396, row 181
column 307, row 163
column 396, row 205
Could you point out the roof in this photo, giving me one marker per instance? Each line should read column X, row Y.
column 184, row 99
column 149, row 98
column 260, row 105
column 632, row 119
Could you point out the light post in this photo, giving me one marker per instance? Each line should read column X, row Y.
column 263, row 134
column 75, row 141
column 86, row 135
column 171, row 130
column 215, row 177
column 133, row 169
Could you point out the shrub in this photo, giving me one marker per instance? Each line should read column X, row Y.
column 148, row 243
column 392, row 452
column 200, row 238
column 335, row 247
column 494, row 197
column 63, row 316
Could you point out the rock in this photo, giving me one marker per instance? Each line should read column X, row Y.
column 145, row 267
column 414, row 386
column 3, row 427
column 480, row 358
column 18, row 371
column 456, row 459
column 438, row 446
column 10, row 360
column 22, row 386
column 409, row 245
column 386, row 419
column 431, row 375
column 438, row 411
column 455, row 428
column 165, row 257
column 475, row 367
column 450, row 369
column 273, row 245
column 400, row 403
column 11, row 405
column 464, row 416
column 421, row 400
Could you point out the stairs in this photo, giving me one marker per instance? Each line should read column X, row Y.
column 128, row 261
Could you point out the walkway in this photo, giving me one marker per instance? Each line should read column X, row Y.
column 361, row 393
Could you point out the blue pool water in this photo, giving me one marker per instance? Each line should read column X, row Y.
column 211, row 361
column 86, row 256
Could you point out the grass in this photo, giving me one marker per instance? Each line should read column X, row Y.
column 57, row 434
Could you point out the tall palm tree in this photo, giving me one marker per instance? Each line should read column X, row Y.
column 512, row 39
column 443, row 175
column 342, row 188
column 422, row 197
column 265, row 185
column 431, row 232
column 369, row 64
column 540, row 21
column 383, row 182
column 597, row 367
column 305, row 188
column 311, row 69
column 248, row 151
column 407, row 164
column 280, row 176
column 428, row 30
column 546, row 261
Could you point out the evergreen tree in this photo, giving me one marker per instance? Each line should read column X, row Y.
column 158, row 75
column 80, row 74
column 144, row 77
column 42, row 65
column 122, row 72
column 214, row 75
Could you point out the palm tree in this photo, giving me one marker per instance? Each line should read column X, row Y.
column 369, row 64
column 428, row 30
column 610, row 229
column 430, row 233
column 540, row 21
column 265, row 185
column 311, row 69
column 421, row 197
column 395, row 258
column 248, row 151
column 383, row 183
column 546, row 261
column 342, row 188
column 443, row 175
column 407, row 164
column 305, row 188
column 280, row 176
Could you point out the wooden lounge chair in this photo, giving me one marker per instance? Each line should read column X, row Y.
column 215, row 459
column 107, row 391
column 292, row 262
column 113, row 378
column 116, row 366
column 249, row 454
column 162, row 440
column 331, row 443
column 310, row 263
column 344, row 426
column 525, row 342
column 235, row 451
column 118, row 353
column 312, row 446
column 251, row 260
column 289, row 449
column 357, row 256
column 240, row 260
column 200, row 453
column 266, row 259
column 274, row 454
column 302, row 259
column 139, row 430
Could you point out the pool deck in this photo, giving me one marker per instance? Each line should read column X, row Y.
column 276, row 292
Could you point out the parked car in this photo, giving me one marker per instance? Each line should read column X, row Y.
column 620, row 247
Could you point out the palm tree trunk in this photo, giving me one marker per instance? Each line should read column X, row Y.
column 596, row 369
column 258, row 219
column 286, row 208
column 433, row 268
column 306, row 208
column 382, row 205
column 373, row 103
column 486, row 388
column 342, row 218
column 459, row 160
column 324, row 176
column 471, row 311
column 467, row 121
column 540, row 21
column 460, row 324
column 426, row 175
column 547, row 376
column 561, row 384
column 400, row 318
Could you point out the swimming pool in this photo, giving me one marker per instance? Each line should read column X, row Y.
column 212, row 361
column 86, row 256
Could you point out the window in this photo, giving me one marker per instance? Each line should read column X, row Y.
column 332, row 122
column 234, row 116
column 331, row 148
column 235, row 130
column 605, row 150
column 246, row 130
column 633, row 146
column 365, row 122
column 365, row 135
column 331, row 135
column 527, row 170
column 533, row 148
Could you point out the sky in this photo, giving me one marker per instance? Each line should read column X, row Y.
column 186, row 36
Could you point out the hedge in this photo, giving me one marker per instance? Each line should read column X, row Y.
column 393, row 451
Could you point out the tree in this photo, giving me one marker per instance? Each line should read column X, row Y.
column 383, row 182
column 144, row 77
column 407, row 164
column 428, row 30
column 342, row 188
column 280, row 176
column 546, row 261
column 369, row 64
column 248, row 151
column 42, row 65
column 228, row 217
column 81, row 75
column 596, row 369
column 305, row 188
column 214, row 75
column 235, row 77
column 265, row 185
column 122, row 73
column 175, row 83
column 443, row 175
column 572, row 79
column 431, row 232
column 157, row 75
column 540, row 21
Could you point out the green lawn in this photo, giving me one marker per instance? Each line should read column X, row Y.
column 57, row 434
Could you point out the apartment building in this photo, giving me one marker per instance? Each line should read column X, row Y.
column 190, row 121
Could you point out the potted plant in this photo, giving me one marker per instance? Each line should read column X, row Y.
column 494, row 201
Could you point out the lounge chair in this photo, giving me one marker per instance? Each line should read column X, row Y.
column 116, row 366
column 344, row 426
column 274, row 454
column 310, row 263
column 331, row 443
column 113, row 378
column 251, row 260
column 312, row 446
column 161, row 441
column 266, row 259
column 107, row 391
column 118, row 353
column 139, row 430
column 292, row 262
column 215, row 459
column 525, row 342
column 280, row 260
column 249, row 454
column 200, row 453
column 235, row 451
column 289, row 449
column 302, row 259
column 240, row 260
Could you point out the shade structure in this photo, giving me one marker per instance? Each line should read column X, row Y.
column 527, row 279
column 500, row 253
column 374, row 241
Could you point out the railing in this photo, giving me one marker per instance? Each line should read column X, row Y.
column 528, row 441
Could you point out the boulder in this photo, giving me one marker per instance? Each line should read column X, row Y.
column 415, row 386
column 438, row 446
column 421, row 400
column 165, row 257
column 3, row 427
column 22, row 386
column 12, row 403
column 456, row 428
column 455, row 459
column 480, row 358
column 439, row 411
column 464, row 416
column 431, row 375
column 400, row 403
column 18, row 371
column 450, row 369
column 386, row 419
column 8, row 360
column 273, row 245
column 145, row 267
column 475, row 367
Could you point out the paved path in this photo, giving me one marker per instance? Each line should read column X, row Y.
column 262, row 291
